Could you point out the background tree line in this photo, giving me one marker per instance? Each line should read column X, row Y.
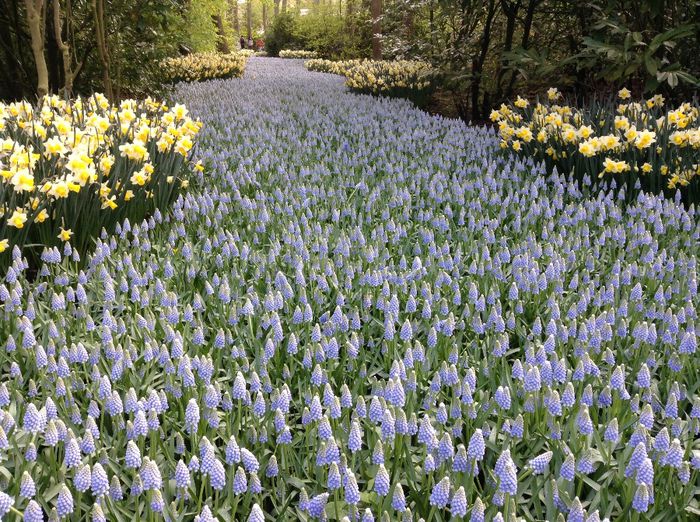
column 112, row 46
column 484, row 50
column 487, row 50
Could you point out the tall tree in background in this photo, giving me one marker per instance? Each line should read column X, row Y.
column 376, row 12
column 233, row 10
column 249, row 18
column 102, row 49
column 62, row 44
column 221, row 43
column 36, row 21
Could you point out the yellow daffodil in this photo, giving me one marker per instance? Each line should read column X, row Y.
column 109, row 203
column 134, row 151
column 59, row 189
column 585, row 131
column 521, row 103
column 645, row 139
column 587, row 148
column 621, row 123
column 23, row 181
column 553, row 94
column 54, row 146
column 4, row 245
column 18, row 219
column 524, row 133
column 41, row 216
column 65, row 235
column 615, row 167
column 184, row 145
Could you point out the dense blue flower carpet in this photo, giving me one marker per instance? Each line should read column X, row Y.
column 359, row 311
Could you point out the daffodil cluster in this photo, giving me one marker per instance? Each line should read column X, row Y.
column 393, row 78
column 292, row 53
column 340, row 67
column 399, row 78
column 639, row 143
column 204, row 66
column 69, row 169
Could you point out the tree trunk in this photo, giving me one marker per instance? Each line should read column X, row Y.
column 249, row 17
column 277, row 8
column 431, row 26
column 525, row 40
column 376, row 12
column 284, row 6
column 101, row 41
column 510, row 9
column 51, row 50
column 221, row 43
column 408, row 23
column 478, row 63
column 264, row 16
column 63, row 47
column 233, row 13
column 35, row 23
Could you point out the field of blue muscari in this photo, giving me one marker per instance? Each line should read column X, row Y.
column 362, row 312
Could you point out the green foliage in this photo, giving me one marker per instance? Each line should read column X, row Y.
column 624, row 55
column 323, row 31
column 197, row 25
column 281, row 35
column 139, row 35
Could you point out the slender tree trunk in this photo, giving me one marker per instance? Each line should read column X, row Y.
column 510, row 9
column 408, row 23
column 525, row 40
column 249, row 16
column 277, row 8
column 101, row 41
column 478, row 63
column 35, row 23
column 51, row 50
column 431, row 26
column 233, row 13
column 63, row 47
column 221, row 43
column 376, row 12
column 284, row 6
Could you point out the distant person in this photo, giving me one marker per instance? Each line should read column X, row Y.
column 250, row 43
column 242, row 43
